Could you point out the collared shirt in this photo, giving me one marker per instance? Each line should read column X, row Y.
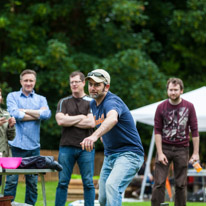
column 27, row 132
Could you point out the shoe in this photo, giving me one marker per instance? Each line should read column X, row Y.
column 134, row 194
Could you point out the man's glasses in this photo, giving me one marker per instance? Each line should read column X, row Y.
column 96, row 74
column 75, row 82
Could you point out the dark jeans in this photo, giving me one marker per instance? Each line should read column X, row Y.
column 180, row 157
column 31, row 180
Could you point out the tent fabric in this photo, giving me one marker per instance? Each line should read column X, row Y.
column 197, row 97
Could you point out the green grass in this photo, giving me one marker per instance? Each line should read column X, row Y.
column 76, row 176
column 50, row 188
column 51, row 191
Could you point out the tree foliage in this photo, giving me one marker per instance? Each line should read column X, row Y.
column 180, row 27
column 141, row 43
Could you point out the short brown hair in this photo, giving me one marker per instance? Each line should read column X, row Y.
column 75, row 73
column 2, row 100
column 28, row 71
column 175, row 81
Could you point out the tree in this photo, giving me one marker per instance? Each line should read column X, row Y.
column 141, row 43
column 180, row 28
column 57, row 37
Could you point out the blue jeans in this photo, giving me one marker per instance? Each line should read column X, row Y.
column 117, row 172
column 31, row 180
column 68, row 156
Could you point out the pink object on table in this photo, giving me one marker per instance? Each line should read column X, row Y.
column 10, row 162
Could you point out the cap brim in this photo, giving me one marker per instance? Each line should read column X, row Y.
column 96, row 79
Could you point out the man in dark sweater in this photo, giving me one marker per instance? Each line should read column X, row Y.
column 75, row 117
column 173, row 119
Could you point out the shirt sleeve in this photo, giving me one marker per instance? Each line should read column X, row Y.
column 44, row 114
column 60, row 107
column 158, row 121
column 113, row 105
column 11, row 132
column 12, row 107
column 193, row 122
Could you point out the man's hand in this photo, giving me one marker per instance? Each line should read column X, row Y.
column 11, row 122
column 195, row 155
column 163, row 159
column 194, row 158
column 108, row 123
column 2, row 120
column 88, row 143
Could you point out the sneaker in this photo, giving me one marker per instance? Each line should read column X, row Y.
column 134, row 194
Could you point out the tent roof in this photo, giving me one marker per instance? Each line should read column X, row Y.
column 197, row 97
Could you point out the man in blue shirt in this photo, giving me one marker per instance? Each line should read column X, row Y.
column 28, row 108
column 124, row 154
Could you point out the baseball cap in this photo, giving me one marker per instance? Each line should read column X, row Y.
column 99, row 75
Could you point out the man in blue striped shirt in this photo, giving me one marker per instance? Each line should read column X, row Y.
column 29, row 109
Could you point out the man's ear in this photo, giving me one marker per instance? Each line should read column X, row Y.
column 107, row 86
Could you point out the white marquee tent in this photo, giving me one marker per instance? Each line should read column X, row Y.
column 146, row 115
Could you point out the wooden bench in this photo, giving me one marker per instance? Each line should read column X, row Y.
column 76, row 191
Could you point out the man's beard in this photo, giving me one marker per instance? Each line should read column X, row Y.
column 97, row 96
column 175, row 99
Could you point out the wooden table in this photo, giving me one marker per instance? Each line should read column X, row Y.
column 40, row 172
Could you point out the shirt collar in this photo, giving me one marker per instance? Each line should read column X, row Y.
column 22, row 94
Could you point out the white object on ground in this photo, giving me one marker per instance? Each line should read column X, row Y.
column 81, row 203
column 19, row 204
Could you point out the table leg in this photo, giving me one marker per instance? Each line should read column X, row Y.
column 43, row 188
column 3, row 177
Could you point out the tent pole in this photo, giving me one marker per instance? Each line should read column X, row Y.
column 147, row 169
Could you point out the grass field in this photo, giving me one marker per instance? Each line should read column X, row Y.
column 51, row 190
